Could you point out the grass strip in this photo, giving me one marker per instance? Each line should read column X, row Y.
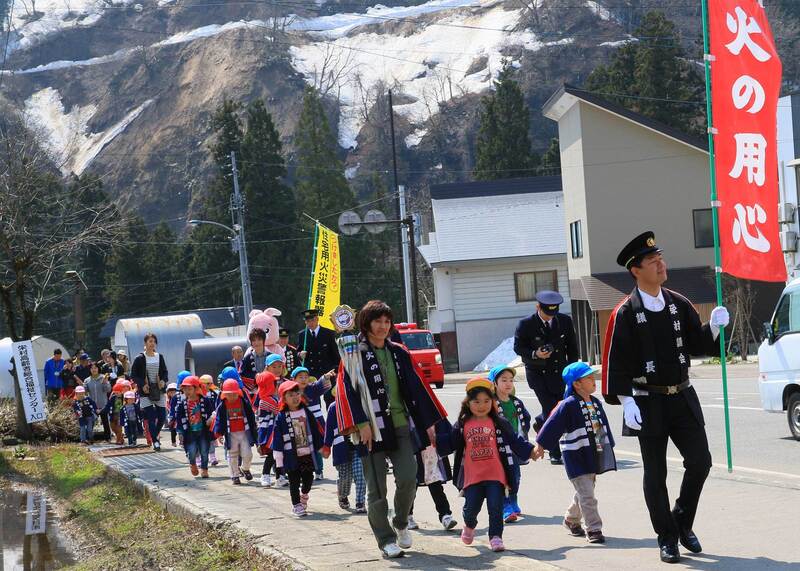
column 125, row 529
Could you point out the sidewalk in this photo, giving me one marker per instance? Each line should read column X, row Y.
column 329, row 538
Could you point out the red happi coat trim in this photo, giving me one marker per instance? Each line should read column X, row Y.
column 612, row 323
column 344, row 410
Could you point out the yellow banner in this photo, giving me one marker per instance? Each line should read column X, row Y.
column 326, row 282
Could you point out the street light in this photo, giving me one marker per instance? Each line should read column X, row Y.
column 244, row 268
column 77, row 308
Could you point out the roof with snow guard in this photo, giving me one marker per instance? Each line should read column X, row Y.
column 508, row 218
column 567, row 95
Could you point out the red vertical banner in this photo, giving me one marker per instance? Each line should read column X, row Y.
column 745, row 86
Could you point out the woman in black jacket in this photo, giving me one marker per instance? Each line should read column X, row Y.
column 149, row 372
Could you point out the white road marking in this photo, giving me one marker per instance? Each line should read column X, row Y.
column 721, row 466
column 758, row 408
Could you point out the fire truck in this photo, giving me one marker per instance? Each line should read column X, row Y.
column 426, row 357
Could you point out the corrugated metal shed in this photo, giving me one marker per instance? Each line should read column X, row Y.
column 212, row 318
column 173, row 331
column 207, row 355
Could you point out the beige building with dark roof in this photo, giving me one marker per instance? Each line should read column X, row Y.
column 622, row 174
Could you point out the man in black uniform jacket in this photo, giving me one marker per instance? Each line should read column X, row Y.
column 546, row 342
column 318, row 351
column 651, row 337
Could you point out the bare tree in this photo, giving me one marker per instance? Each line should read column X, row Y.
column 739, row 297
column 335, row 72
column 44, row 227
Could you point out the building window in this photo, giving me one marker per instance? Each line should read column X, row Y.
column 576, row 239
column 703, row 228
column 527, row 284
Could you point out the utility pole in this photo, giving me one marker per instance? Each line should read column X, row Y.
column 413, row 263
column 77, row 308
column 404, row 248
column 399, row 208
column 238, row 216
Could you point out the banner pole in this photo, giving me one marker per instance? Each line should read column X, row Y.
column 311, row 282
column 715, row 223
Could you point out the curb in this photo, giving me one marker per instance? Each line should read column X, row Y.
column 188, row 510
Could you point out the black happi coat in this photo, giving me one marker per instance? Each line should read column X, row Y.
column 631, row 357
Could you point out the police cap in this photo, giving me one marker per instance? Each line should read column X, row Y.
column 638, row 248
column 549, row 301
column 310, row 313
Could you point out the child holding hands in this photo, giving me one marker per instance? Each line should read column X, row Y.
column 579, row 425
column 485, row 446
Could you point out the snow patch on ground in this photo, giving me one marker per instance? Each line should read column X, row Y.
column 616, row 43
column 602, row 12
column 53, row 16
column 339, row 25
column 65, row 135
column 414, row 138
column 430, row 64
column 351, row 172
column 503, row 354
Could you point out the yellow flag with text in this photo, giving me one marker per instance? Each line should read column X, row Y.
column 326, row 281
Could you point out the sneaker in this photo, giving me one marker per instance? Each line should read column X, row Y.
column 236, row 481
column 299, row 510
column 575, row 529
column 214, row 460
column 193, row 469
column 156, row 446
column 283, row 481
column 304, row 500
column 508, row 513
column 496, row 544
column 403, row 538
column 361, row 509
column 266, row 481
column 248, row 475
column 595, row 536
column 448, row 522
column 392, row 551
column 411, row 523
column 204, row 473
column 344, row 503
column 318, row 476
column 467, row 535
column 198, row 461
column 517, row 509
column 174, row 443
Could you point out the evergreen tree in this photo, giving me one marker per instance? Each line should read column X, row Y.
column 551, row 160
column 125, row 269
column 321, row 187
column 93, row 264
column 322, row 192
column 270, row 214
column 653, row 76
column 503, row 147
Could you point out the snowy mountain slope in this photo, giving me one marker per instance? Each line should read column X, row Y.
column 127, row 89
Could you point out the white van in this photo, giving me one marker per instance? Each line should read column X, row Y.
column 779, row 359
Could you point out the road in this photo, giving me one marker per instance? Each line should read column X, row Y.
column 746, row 520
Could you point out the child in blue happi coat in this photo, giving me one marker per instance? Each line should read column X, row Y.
column 313, row 390
column 86, row 412
column 513, row 410
column 266, row 408
column 296, row 436
column 172, row 390
column 235, row 422
column 345, row 460
column 193, row 415
column 579, row 425
column 130, row 417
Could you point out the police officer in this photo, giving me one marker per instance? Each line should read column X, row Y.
column 651, row 337
column 546, row 342
column 291, row 353
column 317, row 346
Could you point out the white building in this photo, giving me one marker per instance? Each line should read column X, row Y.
column 788, row 179
column 494, row 244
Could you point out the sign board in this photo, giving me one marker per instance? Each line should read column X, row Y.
column 28, row 380
column 36, row 514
